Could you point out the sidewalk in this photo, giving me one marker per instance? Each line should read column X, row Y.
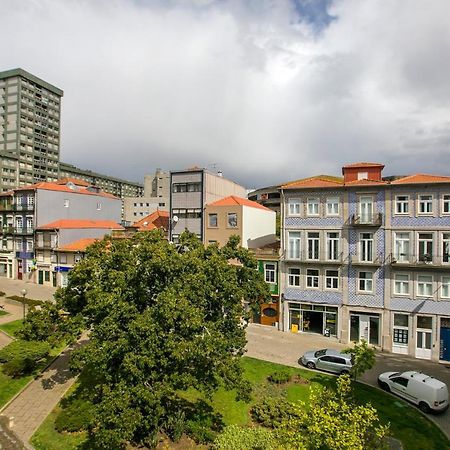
column 34, row 291
column 37, row 400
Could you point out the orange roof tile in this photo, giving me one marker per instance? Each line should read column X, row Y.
column 363, row 164
column 233, row 200
column 365, row 182
column 47, row 186
column 75, row 181
column 82, row 224
column 157, row 219
column 422, row 178
column 318, row 181
column 78, row 246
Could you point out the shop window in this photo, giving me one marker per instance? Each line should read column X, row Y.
column 400, row 335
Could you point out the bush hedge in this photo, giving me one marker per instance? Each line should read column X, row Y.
column 270, row 412
column 21, row 357
column 28, row 301
column 76, row 416
column 280, row 377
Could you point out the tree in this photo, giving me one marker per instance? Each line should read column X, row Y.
column 363, row 358
column 163, row 318
column 332, row 420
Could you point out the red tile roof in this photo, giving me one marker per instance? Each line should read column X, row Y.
column 365, row 182
column 47, row 186
column 422, row 178
column 233, row 200
column 78, row 246
column 362, row 164
column 82, row 224
column 318, row 181
column 75, row 181
column 157, row 219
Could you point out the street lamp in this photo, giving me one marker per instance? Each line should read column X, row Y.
column 24, row 293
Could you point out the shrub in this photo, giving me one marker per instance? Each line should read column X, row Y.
column 28, row 301
column 76, row 416
column 279, row 377
column 200, row 432
column 19, row 366
column 34, row 350
column 237, row 438
column 2, row 294
column 270, row 412
column 175, row 425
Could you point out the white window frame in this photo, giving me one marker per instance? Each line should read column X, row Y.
column 404, row 205
column 332, row 246
column 427, row 240
column 66, row 203
column 210, row 215
column 313, row 246
column 313, row 206
column 294, row 207
column 402, row 257
column 333, row 279
column 230, row 223
column 312, row 279
column 332, row 206
column 368, row 282
column 294, row 278
column 445, row 204
column 445, row 247
column 272, row 272
column 402, row 284
column 445, row 284
column 366, row 247
column 294, row 245
column 423, row 285
column 426, row 204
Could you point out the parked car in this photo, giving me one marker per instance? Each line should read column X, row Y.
column 428, row 393
column 327, row 359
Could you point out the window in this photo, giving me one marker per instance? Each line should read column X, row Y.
column 401, row 381
column 366, row 247
column 40, row 257
column 363, row 175
column 77, row 258
column 332, row 246
column 99, row 206
column 312, row 278
column 294, row 206
column 29, row 223
column 232, row 220
column 402, row 204
column 19, row 245
column 30, row 200
column 269, row 273
column 63, row 258
column 19, row 222
column 294, row 277
column 212, row 220
column 400, row 329
column 401, row 284
column 365, row 281
column 426, row 247
column 425, row 204
column 66, row 203
column 445, row 247
column 401, row 247
column 313, row 206
column 313, row 245
column 446, row 204
column 29, row 246
column 332, row 206
column 445, row 287
column 294, row 245
column 332, row 279
column 424, row 285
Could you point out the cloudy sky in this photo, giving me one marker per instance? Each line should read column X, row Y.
column 265, row 90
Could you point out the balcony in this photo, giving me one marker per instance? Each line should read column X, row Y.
column 22, row 207
column 421, row 261
column 6, row 207
column 7, row 229
column 377, row 260
column 23, row 230
column 25, row 255
column 322, row 258
column 366, row 220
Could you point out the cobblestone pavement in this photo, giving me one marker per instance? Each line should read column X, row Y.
column 36, row 401
column 8, row 439
column 269, row 344
column 35, row 291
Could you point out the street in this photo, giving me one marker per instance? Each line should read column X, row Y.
column 269, row 344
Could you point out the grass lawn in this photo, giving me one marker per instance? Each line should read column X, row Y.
column 407, row 423
column 3, row 313
column 12, row 328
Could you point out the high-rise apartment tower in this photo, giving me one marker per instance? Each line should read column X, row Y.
column 29, row 129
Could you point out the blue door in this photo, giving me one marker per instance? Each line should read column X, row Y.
column 444, row 353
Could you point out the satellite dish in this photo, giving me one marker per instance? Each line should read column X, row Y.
column 175, row 219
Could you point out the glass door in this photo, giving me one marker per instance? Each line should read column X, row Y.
column 366, row 209
column 423, row 337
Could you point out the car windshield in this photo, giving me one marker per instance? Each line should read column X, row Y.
column 396, row 374
column 320, row 352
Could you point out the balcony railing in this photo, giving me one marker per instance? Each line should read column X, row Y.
column 23, row 230
column 22, row 207
column 320, row 258
column 367, row 220
column 420, row 260
column 376, row 260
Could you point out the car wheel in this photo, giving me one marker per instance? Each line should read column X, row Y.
column 424, row 407
column 384, row 386
column 310, row 365
column 344, row 372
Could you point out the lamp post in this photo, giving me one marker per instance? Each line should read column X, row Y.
column 24, row 293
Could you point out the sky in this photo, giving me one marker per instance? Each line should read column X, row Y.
column 265, row 90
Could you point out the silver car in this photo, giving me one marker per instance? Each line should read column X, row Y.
column 327, row 359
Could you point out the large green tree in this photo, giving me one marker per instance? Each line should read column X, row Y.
column 163, row 318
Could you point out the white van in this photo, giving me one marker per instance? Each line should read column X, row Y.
column 422, row 390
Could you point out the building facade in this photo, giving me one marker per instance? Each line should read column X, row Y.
column 190, row 191
column 364, row 257
column 30, row 113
